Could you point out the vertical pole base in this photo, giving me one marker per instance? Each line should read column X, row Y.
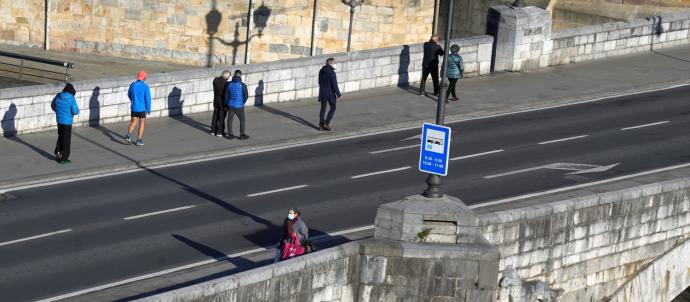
column 434, row 187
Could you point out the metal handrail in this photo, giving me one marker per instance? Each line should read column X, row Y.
column 23, row 58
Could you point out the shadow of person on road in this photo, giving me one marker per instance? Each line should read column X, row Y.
column 175, row 103
column 259, row 102
column 95, row 108
column 9, row 131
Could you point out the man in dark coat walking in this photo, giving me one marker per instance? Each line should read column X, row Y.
column 328, row 93
column 219, row 97
column 430, row 64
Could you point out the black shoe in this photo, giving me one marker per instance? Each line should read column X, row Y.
column 230, row 136
column 326, row 127
column 244, row 136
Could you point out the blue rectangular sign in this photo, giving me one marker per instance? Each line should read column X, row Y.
column 435, row 149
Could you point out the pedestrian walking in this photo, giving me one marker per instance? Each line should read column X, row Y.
column 456, row 68
column 295, row 232
column 65, row 106
column 430, row 64
column 219, row 110
column 328, row 93
column 237, row 95
column 140, row 97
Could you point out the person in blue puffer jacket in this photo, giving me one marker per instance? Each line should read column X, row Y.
column 237, row 95
column 65, row 107
column 140, row 95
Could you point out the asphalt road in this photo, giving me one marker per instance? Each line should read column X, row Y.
column 66, row 237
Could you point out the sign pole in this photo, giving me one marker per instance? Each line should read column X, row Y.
column 433, row 181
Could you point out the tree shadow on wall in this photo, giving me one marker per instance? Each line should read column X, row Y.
column 213, row 20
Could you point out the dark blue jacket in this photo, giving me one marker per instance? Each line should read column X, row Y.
column 328, row 84
column 65, row 107
column 237, row 93
column 140, row 95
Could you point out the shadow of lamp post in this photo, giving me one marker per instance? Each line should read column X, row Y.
column 259, row 18
column 352, row 4
column 213, row 19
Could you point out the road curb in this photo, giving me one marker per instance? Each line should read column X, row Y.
column 333, row 136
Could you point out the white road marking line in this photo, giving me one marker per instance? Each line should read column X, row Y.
column 563, row 139
column 645, row 125
column 329, row 140
column 35, row 237
column 277, row 190
column 394, row 149
column 193, row 265
column 381, row 172
column 589, row 184
column 158, row 212
column 478, row 154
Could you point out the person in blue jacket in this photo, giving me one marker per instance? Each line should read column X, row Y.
column 65, row 107
column 328, row 93
column 237, row 95
column 140, row 96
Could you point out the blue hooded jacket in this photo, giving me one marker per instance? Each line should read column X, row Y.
column 140, row 96
column 65, row 107
column 237, row 93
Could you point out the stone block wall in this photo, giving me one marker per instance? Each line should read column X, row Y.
column 21, row 22
column 619, row 38
column 591, row 246
column 203, row 32
column 105, row 101
column 368, row 270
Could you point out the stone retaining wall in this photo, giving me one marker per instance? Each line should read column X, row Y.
column 105, row 101
column 619, row 38
column 590, row 246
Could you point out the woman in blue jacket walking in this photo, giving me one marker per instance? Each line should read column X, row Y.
column 65, row 107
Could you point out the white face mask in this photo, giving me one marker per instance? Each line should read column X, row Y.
column 291, row 216
column 333, row 66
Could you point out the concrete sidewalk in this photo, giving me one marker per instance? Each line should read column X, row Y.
column 28, row 159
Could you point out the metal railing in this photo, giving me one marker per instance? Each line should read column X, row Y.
column 23, row 68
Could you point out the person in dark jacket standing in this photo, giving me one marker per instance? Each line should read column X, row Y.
column 430, row 64
column 140, row 96
column 65, row 107
column 237, row 95
column 219, row 97
column 328, row 93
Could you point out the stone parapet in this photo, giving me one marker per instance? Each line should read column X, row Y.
column 105, row 101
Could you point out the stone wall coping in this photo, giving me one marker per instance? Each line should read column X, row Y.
column 593, row 29
column 547, row 209
column 205, row 73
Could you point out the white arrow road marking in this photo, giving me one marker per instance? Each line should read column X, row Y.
column 578, row 168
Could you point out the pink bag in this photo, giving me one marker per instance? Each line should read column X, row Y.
column 292, row 248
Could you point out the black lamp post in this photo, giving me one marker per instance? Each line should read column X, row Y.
column 434, row 181
column 352, row 4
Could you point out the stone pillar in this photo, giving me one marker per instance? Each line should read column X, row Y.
column 427, row 249
column 522, row 37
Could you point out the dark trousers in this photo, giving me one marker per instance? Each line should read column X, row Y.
column 328, row 119
column 240, row 115
column 451, row 88
column 218, row 120
column 426, row 71
column 64, row 141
